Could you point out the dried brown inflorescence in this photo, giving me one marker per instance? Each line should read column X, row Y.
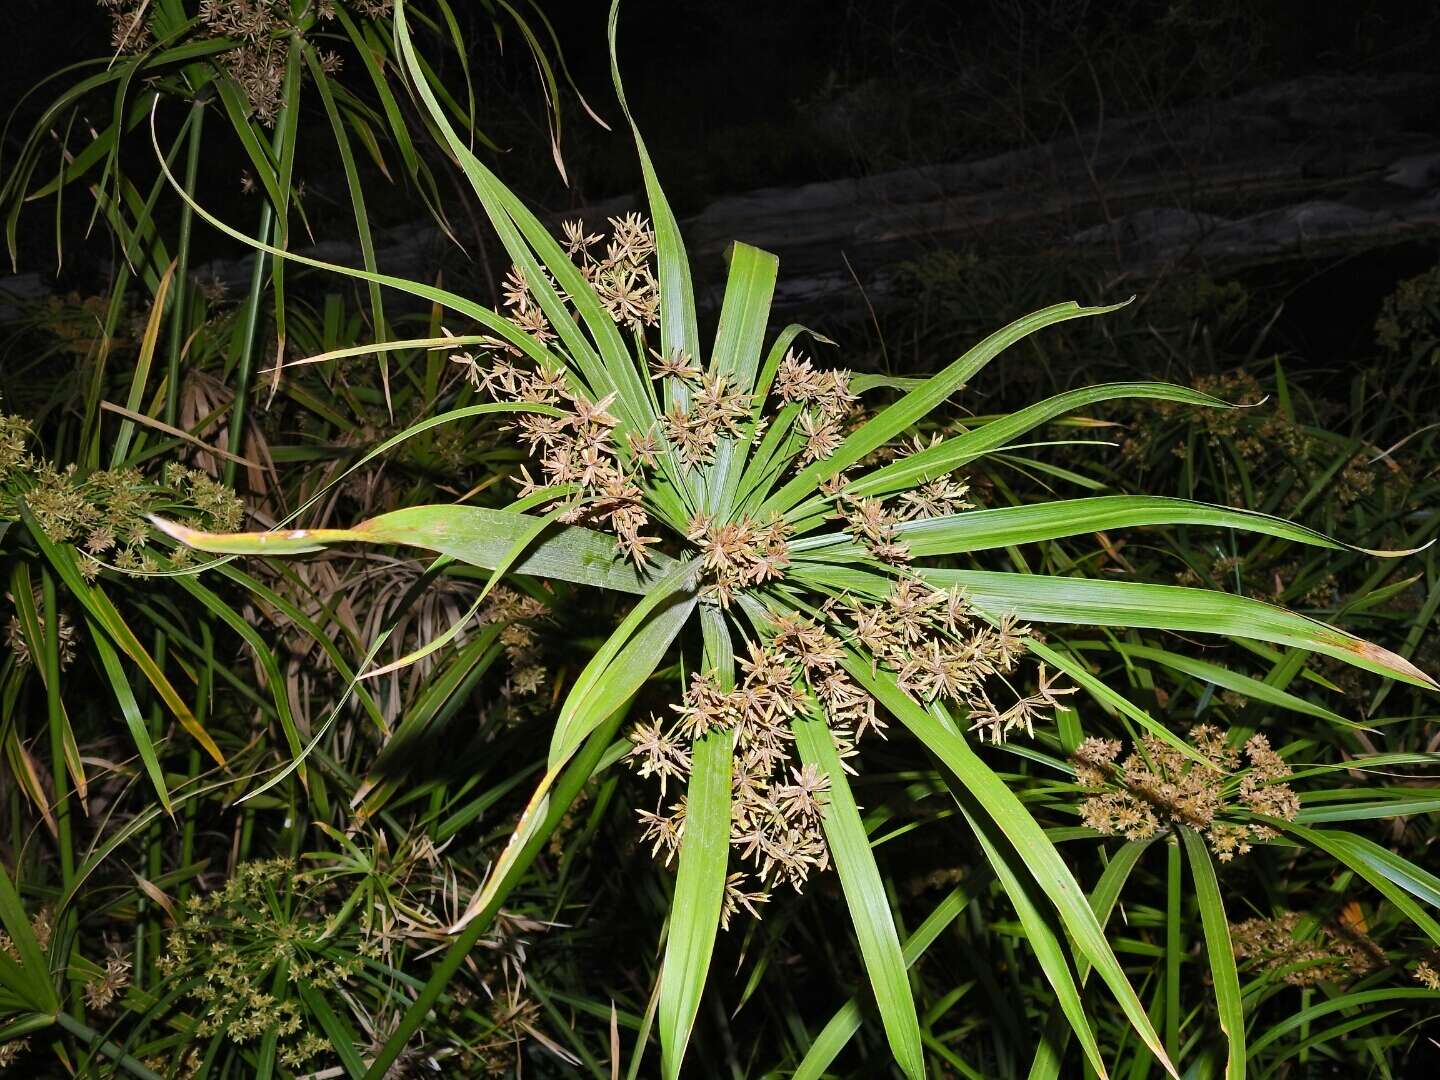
column 739, row 554
column 938, row 648
column 1303, row 952
column 1157, row 787
column 776, row 803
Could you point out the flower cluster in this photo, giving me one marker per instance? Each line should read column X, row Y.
column 738, row 554
column 930, row 639
column 938, row 648
column 1157, row 786
column 228, row 943
column 40, row 925
column 519, row 614
column 1333, row 953
column 105, row 512
column 14, row 442
column 109, row 982
column 19, row 643
column 776, row 803
column 716, row 409
column 1407, row 324
column 261, row 29
column 575, row 449
column 12, row 1051
column 1427, row 972
column 621, row 276
column 826, row 400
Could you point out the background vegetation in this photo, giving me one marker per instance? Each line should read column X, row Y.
column 180, row 897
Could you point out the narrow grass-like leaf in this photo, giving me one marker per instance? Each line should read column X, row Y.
column 956, row 451
column 103, row 611
column 343, row 1039
column 607, row 364
column 1024, row 833
column 1103, row 898
column 31, row 976
column 1092, row 602
column 1340, row 845
column 699, row 893
column 143, row 361
column 1039, row 935
column 739, row 340
column 920, row 402
column 470, row 534
column 842, row 1027
column 678, row 327
column 130, row 710
column 581, row 769
column 1214, row 674
column 979, row 530
column 1304, row 1017
column 357, row 199
column 870, row 914
column 704, row 859
column 628, row 658
column 502, row 566
column 1223, row 975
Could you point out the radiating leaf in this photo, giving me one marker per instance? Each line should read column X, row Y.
column 699, row 892
column 979, row 530
column 1098, row 602
column 1221, row 954
column 870, row 914
column 920, row 402
column 470, row 534
column 1024, row 833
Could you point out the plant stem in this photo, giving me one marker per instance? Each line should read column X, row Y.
column 105, row 1046
column 179, row 287
column 250, row 323
column 56, row 716
column 1172, row 948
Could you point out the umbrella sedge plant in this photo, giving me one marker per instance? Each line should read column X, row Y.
column 801, row 552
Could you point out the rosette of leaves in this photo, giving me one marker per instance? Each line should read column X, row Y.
column 798, row 553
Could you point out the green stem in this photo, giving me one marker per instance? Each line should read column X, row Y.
column 1172, row 948
column 148, row 943
column 179, row 287
column 561, row 796
column 56, row 716
column 250, row 324
column 94, row 1039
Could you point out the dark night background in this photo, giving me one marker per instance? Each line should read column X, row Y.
column 741, row 96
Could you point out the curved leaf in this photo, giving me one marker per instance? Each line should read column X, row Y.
column 1220, row 952
column 699, row 894
column 980, row 530
column 469, row 534
column 1024, row 833
column 954, row 452
column 704, row 859
column 1089, row 602
column 920, row 402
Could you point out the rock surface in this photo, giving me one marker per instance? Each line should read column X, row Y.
column 1282, row 171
